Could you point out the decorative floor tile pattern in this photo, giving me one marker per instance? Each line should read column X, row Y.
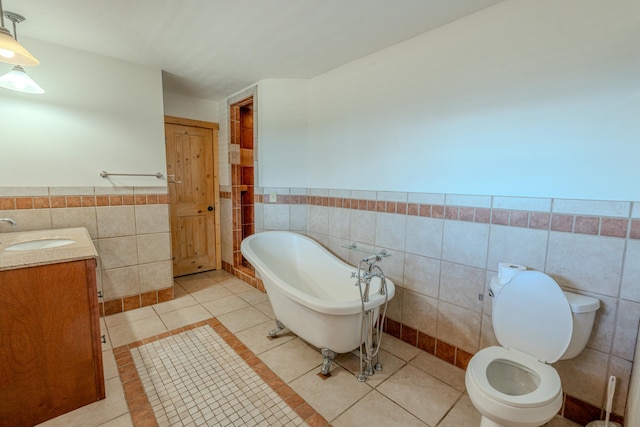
column 202, row 375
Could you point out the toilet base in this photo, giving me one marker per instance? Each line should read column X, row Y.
column 486, row 422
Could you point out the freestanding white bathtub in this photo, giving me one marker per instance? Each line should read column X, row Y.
column 312, row 292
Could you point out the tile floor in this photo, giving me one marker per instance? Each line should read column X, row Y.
column 414, row 389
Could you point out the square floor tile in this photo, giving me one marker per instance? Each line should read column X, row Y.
column 256, row 337
column 419, row 393
column 331, row 396
column 446, row 372
column 225, row 305
column 292, row 359
column 241, row 319
column 184, row 316
column 376, row 410
column 135, row 331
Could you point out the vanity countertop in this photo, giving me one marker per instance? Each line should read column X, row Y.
column 81, row 248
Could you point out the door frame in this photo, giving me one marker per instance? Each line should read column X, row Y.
column 214, row 127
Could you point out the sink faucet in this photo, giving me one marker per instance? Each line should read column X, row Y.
column 10, row 221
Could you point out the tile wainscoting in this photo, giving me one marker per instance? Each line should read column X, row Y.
column 447, row 247
column 129, row 227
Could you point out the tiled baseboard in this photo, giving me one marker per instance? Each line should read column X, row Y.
column 132, row 302
column 572, row 409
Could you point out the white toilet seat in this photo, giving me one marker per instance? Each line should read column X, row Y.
column 546, row 392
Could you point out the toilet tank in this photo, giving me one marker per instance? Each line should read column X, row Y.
column 583, row 310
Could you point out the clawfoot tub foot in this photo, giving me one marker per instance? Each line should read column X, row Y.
column 279, row 328
column 327, row 357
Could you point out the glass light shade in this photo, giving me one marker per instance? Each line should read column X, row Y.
column 13, row 52
column 18, row 80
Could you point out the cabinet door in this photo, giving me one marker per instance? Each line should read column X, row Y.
column 50, row 353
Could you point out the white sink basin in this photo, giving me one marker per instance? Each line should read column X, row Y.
column 39, row 244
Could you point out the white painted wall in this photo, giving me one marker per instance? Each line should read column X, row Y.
column 190, row 108
column 282, row 133
column 526, row 98
column 97, row 114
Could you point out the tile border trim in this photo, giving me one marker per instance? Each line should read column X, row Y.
column 81, row 201
column 606, row 226
column 132, row 302
column 138, row 402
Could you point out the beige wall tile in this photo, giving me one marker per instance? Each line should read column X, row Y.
column 116, row 221
column 585, row 376
column 587, row 263
column 522, row 203
column 424, row 236
column 318, row 219
column 339, row 248
column 468, row 200
column 26, row 220
column 426, row 198
column 23, row 191
column 156, row 275
column 422, row 275
column 394, row 308
column 517, row 245
column 321, row 192
column 390, row 230
column 391, row 196
column 276, row 217
column 120, row 282
column 161, row 189
column 621, row 369
column 360, row 194
column 76, row 217
column 154, row 247
column 119, row 190
column 363, row 225
column 624, row 340
column 393, row 266
column 343, row 194
column 465, row 243
column 226, row 230
column 258, row 216
column 118, row 252
column 72, row 191
column 604, row 323
column 630, row 288
column 461, row 285
column 459, row 326
column 152, row 219
column 592, row 207
column 298, row 217
column 339, row 222
column 487, row 335
column 419, row 312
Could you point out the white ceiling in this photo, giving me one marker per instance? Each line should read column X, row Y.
column 213, row 48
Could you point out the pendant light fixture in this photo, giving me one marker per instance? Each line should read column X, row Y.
column 11, row 51
column 17, row 79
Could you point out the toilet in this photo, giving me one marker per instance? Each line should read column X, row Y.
column 536, row 324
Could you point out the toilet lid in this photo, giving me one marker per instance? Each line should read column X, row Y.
column 531, row 314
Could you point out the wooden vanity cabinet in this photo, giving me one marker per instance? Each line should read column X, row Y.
column 50, row 346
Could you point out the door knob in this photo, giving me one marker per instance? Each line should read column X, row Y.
column 210, row 208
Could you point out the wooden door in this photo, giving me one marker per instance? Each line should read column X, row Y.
column 191, row 148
